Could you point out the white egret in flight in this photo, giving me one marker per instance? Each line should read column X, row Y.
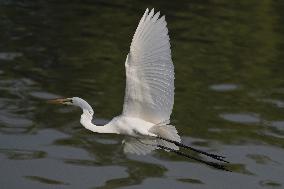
column 149, row 95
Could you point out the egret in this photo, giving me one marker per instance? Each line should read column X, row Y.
column 149, row 95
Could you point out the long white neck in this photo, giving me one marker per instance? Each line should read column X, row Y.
column 87, row 116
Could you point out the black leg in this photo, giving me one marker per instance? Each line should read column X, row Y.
column 211, row 164
column 214, row 156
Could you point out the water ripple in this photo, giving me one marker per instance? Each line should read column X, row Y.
column 248, row 118
column 224, row 87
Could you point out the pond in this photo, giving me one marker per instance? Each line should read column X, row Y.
column 229, row 93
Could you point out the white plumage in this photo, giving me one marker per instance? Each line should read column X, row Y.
column 149, row 94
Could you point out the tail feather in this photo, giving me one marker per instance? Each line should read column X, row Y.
column 147, row 144
column 166, row 131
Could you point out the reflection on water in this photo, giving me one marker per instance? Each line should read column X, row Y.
column 229, row 93
column 223, row 87
column 9, row 55
column 241, row 118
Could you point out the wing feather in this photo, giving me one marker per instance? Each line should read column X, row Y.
column 149, row 91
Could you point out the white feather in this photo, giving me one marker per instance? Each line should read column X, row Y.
column 149, row 91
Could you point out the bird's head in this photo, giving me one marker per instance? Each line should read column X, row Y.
column 75, row 101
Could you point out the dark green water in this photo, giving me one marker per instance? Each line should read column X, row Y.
column 228, row 58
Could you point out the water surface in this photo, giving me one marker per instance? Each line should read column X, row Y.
column 229, row 99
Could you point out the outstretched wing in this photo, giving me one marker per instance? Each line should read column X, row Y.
column 149, row 91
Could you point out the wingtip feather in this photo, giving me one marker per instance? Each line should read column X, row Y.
column 151, row 13
column 156, row 16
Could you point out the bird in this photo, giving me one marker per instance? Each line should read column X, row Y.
column 149, row 95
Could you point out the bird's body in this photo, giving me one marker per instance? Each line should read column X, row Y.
column 131, row 126
column 124, row 125
column 149, row 93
